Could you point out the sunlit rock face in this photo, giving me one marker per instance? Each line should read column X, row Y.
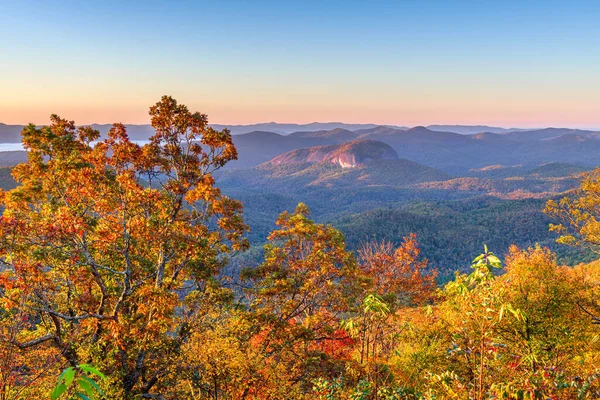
column 346, row 155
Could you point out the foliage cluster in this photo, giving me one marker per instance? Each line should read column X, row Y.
column 110, row 286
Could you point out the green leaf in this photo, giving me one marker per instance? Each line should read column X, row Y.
column 86, row 387
column 493, row 258
column 92, row 370
column 58, row 391
column 62, row 375
column 82, row 396
column 94, row 385
column 69, row 375
column 375, row 304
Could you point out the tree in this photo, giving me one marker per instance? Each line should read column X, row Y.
column 579, row 214
column 545, row 339
column 104, row 239
column 395, row 281
column 516, row 335
column 21, row 371
column 307, row 282
column 219, row 360
column 579, row 217
column 397, row 274
column 468, row 317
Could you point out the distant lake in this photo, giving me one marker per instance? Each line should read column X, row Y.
column 19, row 146
column 10, row 146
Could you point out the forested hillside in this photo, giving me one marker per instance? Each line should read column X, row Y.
column 389, row 199
column 117, row 278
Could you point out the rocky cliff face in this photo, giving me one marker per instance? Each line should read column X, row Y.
column 346, row 155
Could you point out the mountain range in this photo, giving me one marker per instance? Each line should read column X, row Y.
column 11, row 133
column 455, row 190
column 451, row 152
column 448, row 151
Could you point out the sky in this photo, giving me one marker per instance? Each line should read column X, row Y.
column 506, row 63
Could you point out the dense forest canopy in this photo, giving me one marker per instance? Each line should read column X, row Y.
column 112, row 283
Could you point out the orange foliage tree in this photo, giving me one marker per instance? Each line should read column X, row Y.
column 103, row 241
column 298, row 295
column 395, row 280
column 397, row 274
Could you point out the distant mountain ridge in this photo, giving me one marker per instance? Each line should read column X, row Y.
column 12, row 133
column 284, row 129
column 454, row 189
column 334, row 167
column 473, row 129
column 448, row 151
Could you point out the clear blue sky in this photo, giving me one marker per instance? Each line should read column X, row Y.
column 526, row 63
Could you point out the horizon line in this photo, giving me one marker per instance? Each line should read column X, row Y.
column 409, row 126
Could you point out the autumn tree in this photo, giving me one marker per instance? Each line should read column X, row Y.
column 394, row 281
column 218, row 360
column 466, row 321
column 298, row 295
column 579, row 214
column 547, row 339
column 399, row 274
column 103, row 241
column 22, row 371
column 578, row 217
column 514, row 335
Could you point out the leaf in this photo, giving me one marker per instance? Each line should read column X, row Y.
column 92, row 370
column 94, row 385
column 478, row 258
column 63, row 374
column 494, row 261
column 429, row 311
column 82, row 396
column 86, row 387
column 69, row 375
column 58, row 391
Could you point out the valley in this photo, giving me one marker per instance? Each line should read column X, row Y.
column 456, row 191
